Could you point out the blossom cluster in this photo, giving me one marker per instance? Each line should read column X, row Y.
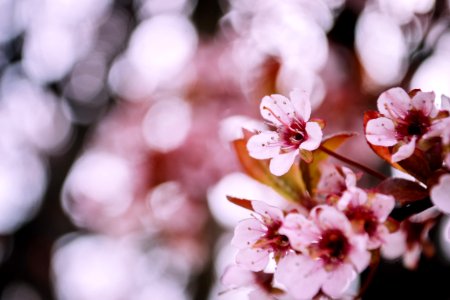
column 331, row 232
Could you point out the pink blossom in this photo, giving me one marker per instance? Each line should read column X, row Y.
column 367, row 213
column 330, row 254
column 334, row 180
column 293, row 133
column 440, row 194
column 404, row 120
column 257, row 237
column 236, row 277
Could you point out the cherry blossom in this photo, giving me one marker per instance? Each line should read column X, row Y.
column 258, row 237
column 334, row 180
column 440, row 194
column 403, row 121
column 367, row 213
column 330, row 254
column 293, row 134
column 235, row 277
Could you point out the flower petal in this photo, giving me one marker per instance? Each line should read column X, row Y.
column 382, row 205
column 339, row 281
column 263, row 145
column 440, row 194
column 328, row 217
column 253, row 259
column 247, row 232
column 267, row 211
column 424, row 101
column 359, row 256
column 394, row 103
column 405, row 150
column 300, row 275
column 315, row 134
column 277, row 109
column 300, row 231
column 280, row 164
column 445, row 103
column 381, row 132
column 301, row 103
column 235, row 276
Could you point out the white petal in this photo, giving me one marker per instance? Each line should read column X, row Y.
column 302, row 104
column 277, row 109
column 314, row 136
column 259, row 294
column 339, row 281
column 264, row 145
column 280, row 164
column 301, row 275
column 394, row 103
column 405, row 151
column 350, row 177
column 359, row 256
column 267, row 211
column 253, row 259
column 394, row 245
column 424, row 101
column 445, row 103
column 440, row 194
column 247, row 232
column 328, row 217
column 381, row 132
column 300, row 231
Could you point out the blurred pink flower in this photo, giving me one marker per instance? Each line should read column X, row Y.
column 257, row 237
column 404, row 120
column 293, row 135
column 331, row 254
column 440, row 194
column 367, row 213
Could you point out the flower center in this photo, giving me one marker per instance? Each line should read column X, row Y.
column 363, row 219
column 332, row 248
column 294, row 134
column 414, row 124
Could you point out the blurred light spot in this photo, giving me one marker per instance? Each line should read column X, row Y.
column 22, row 183
column 166, row 200
column 92, row 267
column 34, row 113
column 167, row 124
column 161, row 46
column 19, row 291
column 434, row 73
column 231, row 127
column 241, row 186
column 98, row 185
column 403, row 10
column 444, row 237
column 49, row 52
column 86, row 79
column 6, row 20
column 381, row 47
column 149, row 8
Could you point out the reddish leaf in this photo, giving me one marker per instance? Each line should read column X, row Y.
column 404, row 191
column 247, row 204
column 290, row 185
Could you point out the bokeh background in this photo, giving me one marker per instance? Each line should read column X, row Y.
column 116, row 118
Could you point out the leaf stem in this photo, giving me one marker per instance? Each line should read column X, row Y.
column 353, row 163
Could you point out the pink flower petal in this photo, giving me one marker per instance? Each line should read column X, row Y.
column 302, row 105
column 277, row 109
column 412, row 256
column 350, row 177
column 280, row 164
column 328, row 217
column 394, row 245
column 300, row 231
column 359, row 256
column 253, row 259
column 314, row 136
column 267, row 211
column 339, row 281
column 301, row 275
column 440, row 194
column 381, row 132
column 247, row 232
column 382, row 205
column 405, row 150
column 445, row 103
column 424, row 101
column 235, row 276
column 264, row 145
column 378, row 239
column 394, row 103
column 260, row 294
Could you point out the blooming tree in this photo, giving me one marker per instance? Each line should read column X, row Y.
column 333, row 232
